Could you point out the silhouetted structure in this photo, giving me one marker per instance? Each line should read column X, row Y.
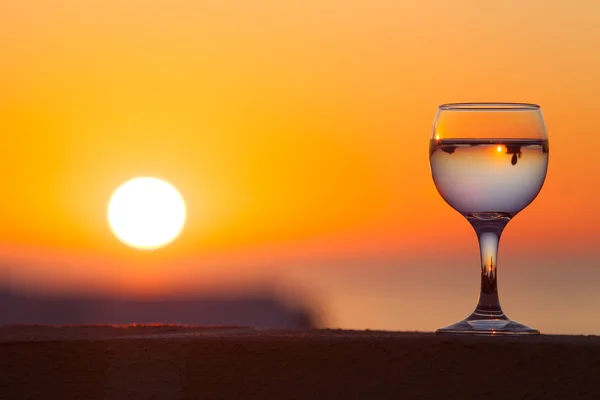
column 488, row 278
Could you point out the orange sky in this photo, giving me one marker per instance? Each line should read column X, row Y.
column 297, row 132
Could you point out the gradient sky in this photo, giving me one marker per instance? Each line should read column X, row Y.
column 297, row 132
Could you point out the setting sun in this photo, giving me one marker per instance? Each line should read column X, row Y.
column 146, row 213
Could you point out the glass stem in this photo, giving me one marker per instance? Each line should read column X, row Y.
column 488, row 233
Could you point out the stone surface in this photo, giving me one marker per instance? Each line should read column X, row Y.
column 175, row 362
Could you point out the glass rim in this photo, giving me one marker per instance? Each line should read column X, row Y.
column 489, row 106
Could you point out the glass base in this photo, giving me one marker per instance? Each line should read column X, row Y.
column 477, row 324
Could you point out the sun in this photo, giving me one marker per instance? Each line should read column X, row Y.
column 146, row 213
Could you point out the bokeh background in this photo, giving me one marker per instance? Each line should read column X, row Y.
column 297, row 132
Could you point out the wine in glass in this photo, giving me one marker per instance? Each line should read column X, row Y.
column 488, row 162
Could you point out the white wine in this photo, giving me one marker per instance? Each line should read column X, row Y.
column 495, row 177
column 488, row 161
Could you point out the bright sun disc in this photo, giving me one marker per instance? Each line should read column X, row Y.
column 146, row 213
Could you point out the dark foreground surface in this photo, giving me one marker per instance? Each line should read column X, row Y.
column 173, row 363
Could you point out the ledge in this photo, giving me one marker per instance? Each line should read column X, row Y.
column 176, row 362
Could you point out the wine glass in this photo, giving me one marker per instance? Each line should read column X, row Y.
column 488, row 162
